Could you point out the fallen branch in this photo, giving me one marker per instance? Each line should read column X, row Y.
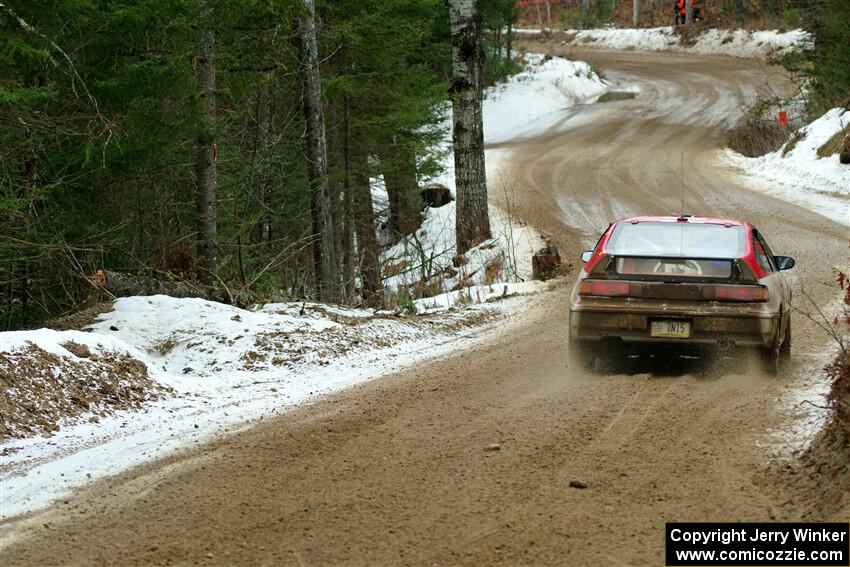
column 117, row 284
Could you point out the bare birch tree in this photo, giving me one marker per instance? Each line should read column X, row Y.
column 317, row 156
column 472, row 225
column 635, row 13
column 205, row 166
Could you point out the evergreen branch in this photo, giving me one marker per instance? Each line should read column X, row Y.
column 22, row 24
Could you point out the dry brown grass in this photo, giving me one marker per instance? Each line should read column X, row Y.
column 492, row 270
column 792, row 143
column 833, row 146
column 391, row 270
column 839, row 370
column 39, row 390
column 79, row 320
column 756, row 137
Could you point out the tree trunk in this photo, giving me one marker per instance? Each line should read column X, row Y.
column 10, row 296
column 473, row 221
column 635, row 13
column 398, row 164
column 348, row 248
column 689, row 12
column 317, row 157
column 205, row 165
column 739, row 12
column 585, row 13
column 367, row 245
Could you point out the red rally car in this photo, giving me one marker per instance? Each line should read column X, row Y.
column 686, row 280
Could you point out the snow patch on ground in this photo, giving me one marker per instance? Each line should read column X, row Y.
column 735, row 43
column 796, row 174
column 805, row 400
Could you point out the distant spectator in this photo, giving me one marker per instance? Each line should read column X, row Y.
column 681, row 11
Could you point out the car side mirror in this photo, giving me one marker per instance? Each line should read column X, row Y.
column 587, row 255
column 784, row 262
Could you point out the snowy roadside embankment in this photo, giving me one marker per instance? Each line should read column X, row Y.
column 219, row 368
column 527, row 104
column 735, row 43
column 530, row 102
column 796, row 173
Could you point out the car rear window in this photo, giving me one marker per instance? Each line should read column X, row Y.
column 665, row 266
column 677, row 240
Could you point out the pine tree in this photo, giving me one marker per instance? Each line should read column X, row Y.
column 473, row 220
column 206, row 162
column 317, row 158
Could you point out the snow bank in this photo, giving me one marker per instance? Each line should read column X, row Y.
column 795, row 172
column 475, row 294
column 743, row 43
column 735, row 43
column 652, row 39
column 226, row 368
column 529, row 102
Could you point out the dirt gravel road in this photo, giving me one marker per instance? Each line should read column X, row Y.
column 398, row 471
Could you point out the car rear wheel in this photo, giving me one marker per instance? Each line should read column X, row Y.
column 785, row 349
column 775, row 357
column 770, row 360
column 581, row 356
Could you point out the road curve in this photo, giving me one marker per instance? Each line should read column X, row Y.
column 396, row 471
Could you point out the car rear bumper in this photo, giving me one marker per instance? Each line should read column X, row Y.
column 753, row 329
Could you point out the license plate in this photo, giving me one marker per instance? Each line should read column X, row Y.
column 670, row 328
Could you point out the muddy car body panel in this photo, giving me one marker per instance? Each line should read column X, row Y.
column 682, row 280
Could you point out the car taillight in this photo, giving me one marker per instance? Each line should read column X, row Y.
column 741, row 293
column 604, row 288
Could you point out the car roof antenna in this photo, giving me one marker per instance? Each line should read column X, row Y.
column 682, row 172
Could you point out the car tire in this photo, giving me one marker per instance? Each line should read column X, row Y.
column 769, row 358
column 785, row 349
column 582, row 357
